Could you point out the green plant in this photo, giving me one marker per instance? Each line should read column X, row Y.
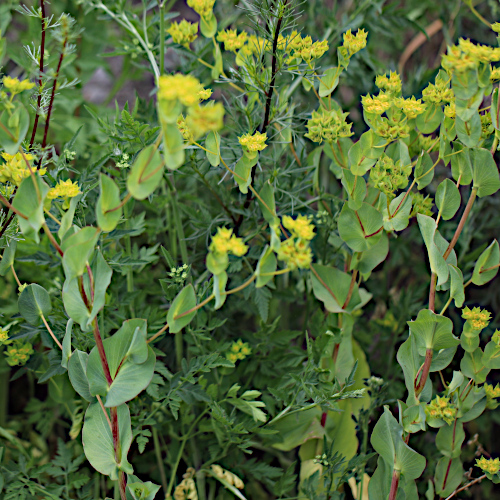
column 199, row 259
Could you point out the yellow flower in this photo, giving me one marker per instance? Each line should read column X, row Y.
column 239, row 350
column 295, row 253
column 185, row 88
column 64, row 189
column 492, row 392
column 496, row 337
column 205, row 94
column 186, row 132
column 478, row 318
column 378, row 104
column 301, row 227
column 19, row 353
column 203, row 119
column 255, row 142
column 231, row 478
column 224, row 241
column 391, row 84
column 15, row 86
column 411, row 107
column 184, row 32
column 440, row 407
column 495, row 74
column 491, row 466
column 438, row 93
column 496, row 27
column 232, row 41
column 450, row 110
column 203, row 7
column 15, row 170
column 4, row 336
column 354, row 43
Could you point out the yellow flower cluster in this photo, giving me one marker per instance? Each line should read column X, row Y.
column 478, row 318
column 491, row 466
column 467, row 55
column 496, row 27
column 492, row 391
column 205, row 94
column 421, row 205
column 328, row 125
column 378, row 104
column 185, row 88
column 4, row 336
column 186, row 489
column 15, row 170
column 391, row 84
column 202, row 7
column 296, row 253
column 301, row 227
column 19, row 353
column 64, row 189
column 486, row 126
column 231, row 478
column 232, row 41
column 203, row 119
column 441, row 408
column 438, row 93
column 390, row 130
column 239, row 350
column 496, row 337
column 225, row 242
column 450, row 110
column 184, row 129
column 255, row 45
column 184, row 32
column 411, row 107
column 15, row 86
column 495, row 75
column 255, row 142
column 354, row 43
column 303, row 48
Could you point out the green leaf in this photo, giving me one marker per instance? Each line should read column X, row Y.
column 212, row 145
column 34, row 302
column 146, row 173
column 66, row 345
column 424, row 170
column 67, row 218
column 27, row 202
column 208, row 25
column 173, row 147
column 491, row 355
column 185, row 300
column 401, row 219
column 106, row 213
column 489, row 258
column 457, row 285
column 465, row 84
column 98, row 440
column 8, row 257
column 494, row 110
column 360, row 229
column 447, row 199
column 140, row 490
column 266, row 266
column 251, row 408
column 387, row 441
column 469, row 132
column 131, row 364
column 269, row 209
column 485, row 175
column 461, row 167
column 77, row 249
column 13, row 127
column 364, row 153
column 473, row 366
column 355, row 185
column 329, row 82
column 432, row 331
column 368, row 260
column 428, row 228
column 449, row 440
column 332, row 288
column 430, row 119
column 453, row 474
column 77, row 371
column 243, row 170
column 74, row 305
column 218, row 66
column 409, row 360
column 220, row 283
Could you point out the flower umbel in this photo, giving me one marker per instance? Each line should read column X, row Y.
column 184, row 32
column 490, row 466
column 239, row 350
column 300, row 227
column 255, row 142
column 225, row 242
column 15, row 86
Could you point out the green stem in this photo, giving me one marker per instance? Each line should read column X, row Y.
column 159, row 460
column 162, row 37
column 178, row 222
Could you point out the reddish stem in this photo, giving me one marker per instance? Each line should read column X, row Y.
column 102, row 353
column 449, row 461
column 42, row 52
column 394, row 485
column 425, row 372
column 51, row 102
column 432, row 293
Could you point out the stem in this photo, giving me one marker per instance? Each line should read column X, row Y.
column 121, row 204
column 159, row 460
column 7, row 222
column 158, row 333
column 323, row 283
column 467, row 486
column 178, row 223
column 450, row 460
column 10, row 207
column 394, row 485
column 51, row 102
column 52, row 239
column 104, row 411
column 15, row 274
column 42, row 53
column 476, row 13
column 432, row 293
column 102, row 353
column 351, row 288
column 122, row 480
column 425, row 372
column 162, row 47
column 51, row 332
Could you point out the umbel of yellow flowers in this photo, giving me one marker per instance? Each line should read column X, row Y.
column 15, row 86
column 15, row 168
column 64, row 189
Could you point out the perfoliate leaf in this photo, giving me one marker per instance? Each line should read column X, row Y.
column 489, row 259
column 107, row 213
column 185, row 300
column 34, row 302
column 447, row 199
column 146, row 173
